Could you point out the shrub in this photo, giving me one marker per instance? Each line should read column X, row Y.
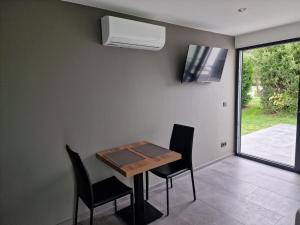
column 278, row 69
column 246, row 79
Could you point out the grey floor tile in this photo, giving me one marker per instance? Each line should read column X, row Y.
column 270, row 183
column 234, row 191
column 108, row 219
column 286, row 221
column 199, row 213
column 228, row 183
column 258, row 168
column 269, row 200
column 239, row 208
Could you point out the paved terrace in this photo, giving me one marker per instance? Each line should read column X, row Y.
column 275, row 143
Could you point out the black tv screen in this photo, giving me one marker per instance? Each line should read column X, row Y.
column 204, row 64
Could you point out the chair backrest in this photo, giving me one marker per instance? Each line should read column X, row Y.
column 82, row 180
column 182, row 142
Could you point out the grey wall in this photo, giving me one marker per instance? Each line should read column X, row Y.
column 273, row 34
column 59, row 85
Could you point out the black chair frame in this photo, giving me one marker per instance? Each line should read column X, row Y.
column 89, row 193
column 182, row 142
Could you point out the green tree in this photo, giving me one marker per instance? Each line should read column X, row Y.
column 247, row 76
column 278, row 68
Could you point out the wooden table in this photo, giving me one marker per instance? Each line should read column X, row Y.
column 144, row 212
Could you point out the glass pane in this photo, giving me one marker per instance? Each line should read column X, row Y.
column 270, row 81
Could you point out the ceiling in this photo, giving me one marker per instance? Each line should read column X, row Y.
column 220, row 16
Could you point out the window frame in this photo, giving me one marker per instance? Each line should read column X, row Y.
column 237, row 134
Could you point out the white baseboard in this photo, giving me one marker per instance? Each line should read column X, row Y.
column 107, row 207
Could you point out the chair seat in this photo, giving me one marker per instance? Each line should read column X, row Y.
column 108, row 190
column 169, row 170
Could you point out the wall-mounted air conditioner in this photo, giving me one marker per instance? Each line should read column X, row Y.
column 119, row 32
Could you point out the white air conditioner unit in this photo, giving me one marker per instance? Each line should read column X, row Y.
column 119, row 32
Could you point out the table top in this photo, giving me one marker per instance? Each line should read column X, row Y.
column 137, row 157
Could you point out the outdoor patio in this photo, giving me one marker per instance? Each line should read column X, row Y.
column 276, row 143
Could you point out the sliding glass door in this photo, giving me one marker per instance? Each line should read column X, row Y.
column 268, row 109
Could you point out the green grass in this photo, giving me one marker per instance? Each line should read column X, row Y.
column 253, row 117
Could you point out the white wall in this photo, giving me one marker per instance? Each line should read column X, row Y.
column 268, row 35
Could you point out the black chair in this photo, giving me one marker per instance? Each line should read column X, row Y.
column 181, row 142
column 94, row 195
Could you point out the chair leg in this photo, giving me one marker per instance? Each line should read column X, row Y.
column 76, row 210
column 132, row 208
column 167, row 182
column 115, row 203
column 91, row 216
column 193, row 183
column 171, row 182
column 147, row 185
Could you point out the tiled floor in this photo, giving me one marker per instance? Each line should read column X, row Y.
column 276, row 143
column 234, row 191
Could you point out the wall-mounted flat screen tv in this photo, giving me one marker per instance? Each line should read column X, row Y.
column 204, row 64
